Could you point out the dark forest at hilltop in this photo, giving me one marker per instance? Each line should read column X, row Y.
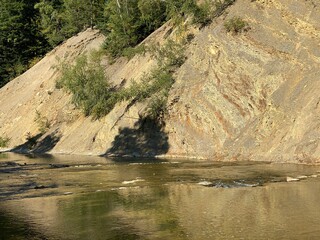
column 30, row 28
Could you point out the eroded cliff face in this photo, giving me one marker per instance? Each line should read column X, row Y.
column 254, row 95
column 250, row 96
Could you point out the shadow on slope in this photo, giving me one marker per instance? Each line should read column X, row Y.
column 145, row 139
column 37, row 144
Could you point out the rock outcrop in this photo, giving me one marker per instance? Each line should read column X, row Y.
column 253, row 95
column 248, row 96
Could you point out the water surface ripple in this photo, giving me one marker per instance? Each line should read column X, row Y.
column 77, row 197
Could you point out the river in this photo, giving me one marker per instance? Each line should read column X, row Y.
column 80, row 197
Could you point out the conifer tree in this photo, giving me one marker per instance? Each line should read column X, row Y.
column 20, row 38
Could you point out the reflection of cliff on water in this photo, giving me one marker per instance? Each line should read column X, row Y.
column 276, row 211
column 129, row 213
column 155, row 200
column 107, row 210
column 175, row 211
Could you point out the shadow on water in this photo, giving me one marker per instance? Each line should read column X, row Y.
column 145, row 139
column 13, row 227
column 39, row 144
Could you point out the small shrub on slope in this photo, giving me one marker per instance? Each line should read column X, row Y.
column 4, row 141
column 235, row 25
column 88, row 84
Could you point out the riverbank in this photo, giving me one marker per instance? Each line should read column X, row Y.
column 224, row 159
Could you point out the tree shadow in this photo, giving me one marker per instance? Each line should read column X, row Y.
column 145, row 139
column 31, row 141
column 39, row 145
column 47, row 143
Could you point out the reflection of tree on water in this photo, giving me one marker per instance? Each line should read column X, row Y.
column 129, row 213
column 12, row 228
column 91, row 217
column 126, row 213
column 168, row 204
column 121, row 214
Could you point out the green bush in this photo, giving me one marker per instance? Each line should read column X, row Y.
column 90, row 88
column 130, row 52
column 4, row 141
column 235, row 25
column 157, row 107
column 128, row 23
column 42, row 122
column 92, row 92
column 202, row 13
column 169, row 56
column 156, row 85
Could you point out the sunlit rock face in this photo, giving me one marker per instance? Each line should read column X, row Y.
column 247, row 96
column 253, row 95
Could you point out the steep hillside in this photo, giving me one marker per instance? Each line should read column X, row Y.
column 253, row 95
column 248, row 96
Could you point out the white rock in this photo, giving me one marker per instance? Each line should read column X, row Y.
column 205, row 183
column 132, row 181
column 302, row 177
column 291, row 179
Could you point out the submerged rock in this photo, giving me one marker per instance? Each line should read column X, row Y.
column 10, row 164
column 40, row 186
column 59, row 165
column 132, row 181
column 232, row 183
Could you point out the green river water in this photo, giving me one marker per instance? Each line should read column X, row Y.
column 77, row 197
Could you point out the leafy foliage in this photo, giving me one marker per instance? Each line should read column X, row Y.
column 152, row 14
column 51, row 20
column 20, row 38
column 235, row 25
column 171, row 55
column 92, row 92
column 177, row 10
column 29, row 28
column 61, row 19
column 42, row 122
column 128, row 22
column 130, row 52
column 4, row 141
column 88, row 84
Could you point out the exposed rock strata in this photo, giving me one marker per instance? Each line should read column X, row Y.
column 252, row 96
